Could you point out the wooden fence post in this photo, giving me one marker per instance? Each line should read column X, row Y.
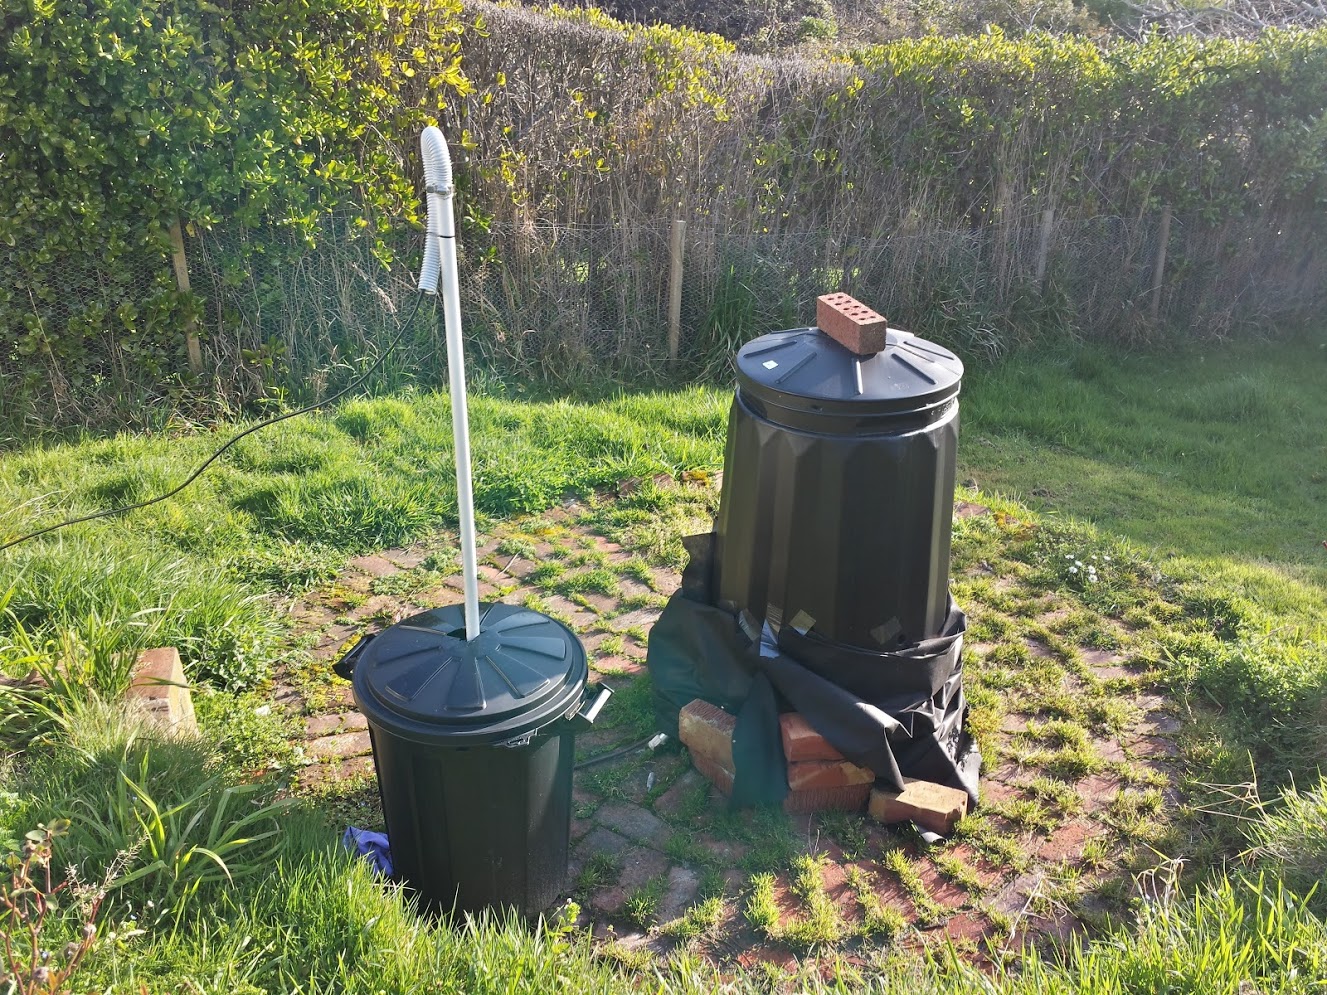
column 675, row 247
column 1159, row 271
column 181, row 265
column 1044, row 246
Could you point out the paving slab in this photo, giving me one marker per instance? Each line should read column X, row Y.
column 341, row 745
column 325, row 725
column 602, row 841
column 683, row 885
column 634, row 822
column 375, row 565
column 640, row 866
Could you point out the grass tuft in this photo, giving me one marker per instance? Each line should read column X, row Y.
column 929, row 911
column 701, row 919
column 820, row 924
column 878, row 919
column 761, row 909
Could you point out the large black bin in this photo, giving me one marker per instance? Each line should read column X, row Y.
column 473, row 743
column 838, row 487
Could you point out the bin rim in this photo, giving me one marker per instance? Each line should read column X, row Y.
column 804, row 370
column 419, row 681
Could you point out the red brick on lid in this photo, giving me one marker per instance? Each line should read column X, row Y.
column 851, row 323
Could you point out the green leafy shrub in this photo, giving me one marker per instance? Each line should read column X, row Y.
column 1272, row 677
column 912, row 174
column 253, row 117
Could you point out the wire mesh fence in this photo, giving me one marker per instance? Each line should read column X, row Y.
column 570, row 304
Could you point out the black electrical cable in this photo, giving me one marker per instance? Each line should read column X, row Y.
column 108, row 512
column 614, row 754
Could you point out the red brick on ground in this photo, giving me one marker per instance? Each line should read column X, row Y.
column 158, row 685
column 931, row 806
column 802, row 742
column 718, row 775
column 707, row 730
column 845, row 798
column 814, row 774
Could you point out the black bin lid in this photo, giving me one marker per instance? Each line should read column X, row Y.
column 422, row 680
column 804, row 370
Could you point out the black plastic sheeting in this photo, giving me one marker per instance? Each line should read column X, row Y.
column 900, row 714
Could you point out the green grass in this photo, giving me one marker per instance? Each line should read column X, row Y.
column 819, row 922
column 1213, row 454
column 762, row 908
column 701, row 919
column 642, row 906
column 287, row 506
column 1198, row 476
column 929, row 911
column 599, row 870
column 597, row 581
column 878, row 919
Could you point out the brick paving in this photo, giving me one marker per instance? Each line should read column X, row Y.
column 647, row 827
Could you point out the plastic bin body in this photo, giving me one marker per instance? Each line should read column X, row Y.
column 480, row 827
column 473, row 742
column 838, row 488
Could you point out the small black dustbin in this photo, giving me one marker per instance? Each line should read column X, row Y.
column 473, row 743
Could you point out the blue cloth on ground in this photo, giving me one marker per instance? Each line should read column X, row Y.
column 371, row 846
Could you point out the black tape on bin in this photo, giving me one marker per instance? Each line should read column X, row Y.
column 899, row 713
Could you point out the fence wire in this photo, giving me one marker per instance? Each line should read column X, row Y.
column 570, row 304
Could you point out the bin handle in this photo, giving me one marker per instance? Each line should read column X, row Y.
column 591, row 706
column 345, row 667
column 578, row 721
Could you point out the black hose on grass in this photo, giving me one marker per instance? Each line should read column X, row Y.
column 353, row 385
column 621, row 751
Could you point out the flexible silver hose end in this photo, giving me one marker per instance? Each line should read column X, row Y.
column 438, row 188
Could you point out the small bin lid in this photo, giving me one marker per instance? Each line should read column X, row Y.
column 422, row 680
column 803, row 369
